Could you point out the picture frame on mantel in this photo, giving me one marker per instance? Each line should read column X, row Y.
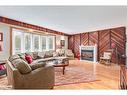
column 1, row 36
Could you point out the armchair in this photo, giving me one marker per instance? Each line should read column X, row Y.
column 106, row 58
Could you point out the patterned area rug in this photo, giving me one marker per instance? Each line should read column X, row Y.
column 74, row 73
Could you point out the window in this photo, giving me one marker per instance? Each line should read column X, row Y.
column 51, row 42
column 43, row 41
column 36, row 42
column 28, row 42
column 17, row 41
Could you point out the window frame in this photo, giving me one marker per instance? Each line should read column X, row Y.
column 31, row 47
column 32, row 34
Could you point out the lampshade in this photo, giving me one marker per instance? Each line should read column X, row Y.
column 113, row 45
column 62, row 38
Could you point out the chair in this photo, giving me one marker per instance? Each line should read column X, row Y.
column 69, row 54
column 106, row 58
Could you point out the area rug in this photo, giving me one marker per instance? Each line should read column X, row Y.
column 74, row 73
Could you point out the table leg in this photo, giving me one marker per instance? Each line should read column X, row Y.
column 63, row 69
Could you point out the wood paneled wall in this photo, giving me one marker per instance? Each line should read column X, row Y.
column 103, row 39
column 31, row 26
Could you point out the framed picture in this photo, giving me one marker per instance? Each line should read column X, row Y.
column 1, row 36
column 62, row 42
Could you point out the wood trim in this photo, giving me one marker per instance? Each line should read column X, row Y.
column 10, row 40
column 88, row 38
column 30, row 26
column 110, row 37
column 1, row 34
column 98, row 47
column 55, row 43
column 80, row 39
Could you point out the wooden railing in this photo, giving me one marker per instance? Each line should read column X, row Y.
column 123, row 77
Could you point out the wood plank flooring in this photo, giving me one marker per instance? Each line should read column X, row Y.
column 108, row 76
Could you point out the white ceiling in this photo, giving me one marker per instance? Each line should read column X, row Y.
column 69, row 19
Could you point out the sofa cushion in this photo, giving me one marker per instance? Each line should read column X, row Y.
column 37, row 65
column 55, row 54
column 41, row 54
column 48, row 54
column 70, row 55
column 43, row 60
column 22, row 56
column 61, row 52
column 33, row 54
column 22, row 66
column 13, row 57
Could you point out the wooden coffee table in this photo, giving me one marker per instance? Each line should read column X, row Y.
column 62, row 62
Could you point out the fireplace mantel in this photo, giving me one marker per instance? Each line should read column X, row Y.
column 88, row 53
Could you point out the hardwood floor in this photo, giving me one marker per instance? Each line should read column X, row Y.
column 108, row 76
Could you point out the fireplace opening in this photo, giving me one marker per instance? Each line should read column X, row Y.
column 87, row 55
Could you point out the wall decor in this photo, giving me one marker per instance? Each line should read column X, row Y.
column 62, row 43
column 1, row 36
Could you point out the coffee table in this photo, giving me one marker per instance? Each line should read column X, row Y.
column 61, row 62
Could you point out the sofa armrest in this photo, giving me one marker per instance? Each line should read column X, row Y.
column 13, row 75
column 42, row 77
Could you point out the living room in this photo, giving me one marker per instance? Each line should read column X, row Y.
column 74, row 47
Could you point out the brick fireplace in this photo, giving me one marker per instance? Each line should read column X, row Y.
column 88, row 53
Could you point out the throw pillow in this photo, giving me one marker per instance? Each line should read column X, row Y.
column 22, row 56
column 22, row 66
column 13, row 57
column 61, row 52
column 48, row 54
column 29, row 59
column 30, row 53
column 35, row 55
column 2, row 67
column 55, row 54
column 37, row 65
column 41, row 54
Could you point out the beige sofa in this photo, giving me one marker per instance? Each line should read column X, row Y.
column 35, row 75
column 66, row 52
